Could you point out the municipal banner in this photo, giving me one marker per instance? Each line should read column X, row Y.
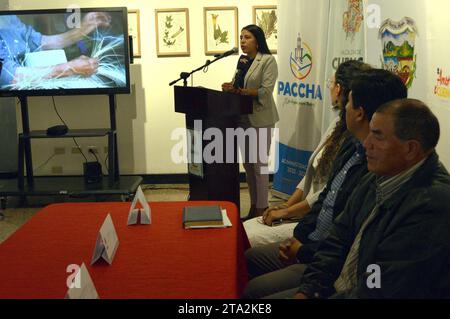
column 331, row 33
column 412, row 41
column 346, row 41
column 300, row 88
column 407, row 37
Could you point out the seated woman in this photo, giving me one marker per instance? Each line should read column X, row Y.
column 259, row 230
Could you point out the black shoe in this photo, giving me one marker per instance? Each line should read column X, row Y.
column 251, row 214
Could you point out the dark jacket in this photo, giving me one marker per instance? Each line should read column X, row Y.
column 409, row 240
column 308, row 224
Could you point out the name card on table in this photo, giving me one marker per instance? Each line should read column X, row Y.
column 107, row 242
column 142, row 215
column 82, row 287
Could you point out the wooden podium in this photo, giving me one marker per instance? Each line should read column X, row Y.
column 218, row 179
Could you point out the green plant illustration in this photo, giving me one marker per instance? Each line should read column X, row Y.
column 169, row 38
column 268, row 22
column 180, row 30
column 219, row 35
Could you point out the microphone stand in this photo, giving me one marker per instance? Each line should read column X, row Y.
column 185, row 75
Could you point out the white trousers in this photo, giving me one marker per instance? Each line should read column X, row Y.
column 256, row 165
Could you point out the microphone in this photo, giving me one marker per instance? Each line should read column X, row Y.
column 243, row 64
column 225, row 54
column 242, row 68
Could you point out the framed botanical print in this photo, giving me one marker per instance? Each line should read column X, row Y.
column 266, row 17
column 220, row 29
column 172, row 32
column 134, row 29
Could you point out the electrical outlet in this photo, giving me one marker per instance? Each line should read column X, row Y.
column 57, row 169
column 93, row 148
column 75, row 150
column 59, row 150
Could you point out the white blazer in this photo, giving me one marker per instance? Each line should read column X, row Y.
column 262, row 75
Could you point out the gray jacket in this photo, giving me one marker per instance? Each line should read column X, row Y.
column 262, row 75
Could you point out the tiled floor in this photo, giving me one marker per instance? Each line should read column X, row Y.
column 16, row 215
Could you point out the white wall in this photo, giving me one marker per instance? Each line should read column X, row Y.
column 437, row 35
column 146, row 118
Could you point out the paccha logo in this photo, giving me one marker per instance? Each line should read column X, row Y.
column 301, row 60
column 442, row 88
column 398, row 40
column 301, row 64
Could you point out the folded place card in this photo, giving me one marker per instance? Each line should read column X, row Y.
column 107, row 242
column 142, row 215
column 83, row 286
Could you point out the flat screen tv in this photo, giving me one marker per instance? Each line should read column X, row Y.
column 64, row 52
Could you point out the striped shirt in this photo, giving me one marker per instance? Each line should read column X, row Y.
column 325, row 217
column 385, row 188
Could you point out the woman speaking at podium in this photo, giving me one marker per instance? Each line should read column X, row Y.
column 255, row 76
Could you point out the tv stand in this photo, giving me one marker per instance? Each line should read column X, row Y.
column 69, row 185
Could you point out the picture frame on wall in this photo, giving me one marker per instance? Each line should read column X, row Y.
column 134, row 29
column 220, row 29
column 266, row 17
column 172, row 32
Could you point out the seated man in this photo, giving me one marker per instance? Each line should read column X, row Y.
column 396, row 222
column 259, row 230
column 370, row 89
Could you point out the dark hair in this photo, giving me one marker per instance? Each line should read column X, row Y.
column 343, row 76
column 413, row 120
column 260, row 37
column 375, row 87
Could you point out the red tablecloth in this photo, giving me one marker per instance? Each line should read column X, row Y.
column 161, row 260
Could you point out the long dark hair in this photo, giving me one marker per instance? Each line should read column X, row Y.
column 344, row 76
column 260, row 37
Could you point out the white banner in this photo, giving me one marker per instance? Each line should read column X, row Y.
column 300, row 87
column 408, row 37
column 413, row 42
column 346, row 41
column 309, row 51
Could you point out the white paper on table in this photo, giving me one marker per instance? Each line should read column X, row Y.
column 145, row 212
column 84, row 287
column 226, row 222
column 107, row 242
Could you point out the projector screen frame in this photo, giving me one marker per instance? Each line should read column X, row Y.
column 77, row 91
